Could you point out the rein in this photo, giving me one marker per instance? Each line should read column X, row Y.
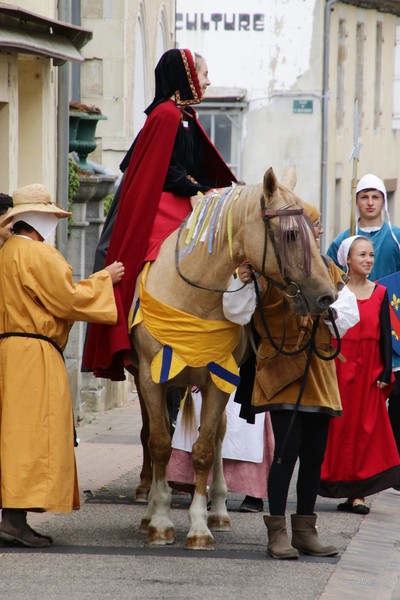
column 186, row 279
column 311, row 341
column 312, row 349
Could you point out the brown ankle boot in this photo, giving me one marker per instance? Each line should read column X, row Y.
column 14, row 528
column 278, row 541
column 305, row 537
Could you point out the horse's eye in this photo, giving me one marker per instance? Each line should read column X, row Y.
column 291, row 236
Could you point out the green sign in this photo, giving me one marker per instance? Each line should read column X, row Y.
column 303, row 106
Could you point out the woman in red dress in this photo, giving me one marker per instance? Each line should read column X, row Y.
column 361, row 456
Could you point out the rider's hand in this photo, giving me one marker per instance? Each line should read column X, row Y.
column 244, row 272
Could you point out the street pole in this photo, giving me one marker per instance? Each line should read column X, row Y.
column 354, row 156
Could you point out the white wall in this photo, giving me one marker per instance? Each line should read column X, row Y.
column 267, row 47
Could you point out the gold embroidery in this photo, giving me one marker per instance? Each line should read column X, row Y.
column 196, row 98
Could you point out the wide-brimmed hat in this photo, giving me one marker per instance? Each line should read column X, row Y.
column 34, row 197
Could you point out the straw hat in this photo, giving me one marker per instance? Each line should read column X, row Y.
column 34, row 197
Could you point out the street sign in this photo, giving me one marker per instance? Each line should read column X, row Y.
column 303, row 106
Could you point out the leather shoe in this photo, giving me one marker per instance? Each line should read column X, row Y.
column 358, row 509
column 41, row 535
column 252, row 505
column 24, row 536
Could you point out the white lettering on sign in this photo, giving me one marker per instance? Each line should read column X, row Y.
column 220, row 21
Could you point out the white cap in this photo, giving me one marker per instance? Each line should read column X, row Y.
column 344, row 249
column 372, row 182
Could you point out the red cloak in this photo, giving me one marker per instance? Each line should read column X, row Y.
column 137, row 209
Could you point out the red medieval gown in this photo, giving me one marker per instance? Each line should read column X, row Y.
column 361, row 455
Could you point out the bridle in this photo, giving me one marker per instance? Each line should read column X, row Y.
column 267, row 215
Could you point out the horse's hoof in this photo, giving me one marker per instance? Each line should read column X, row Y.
column 142, row 495
column 219, row 523
column 144, row 525
column 160, row 537
column 200, row 542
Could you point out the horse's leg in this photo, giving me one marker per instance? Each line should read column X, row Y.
column 160, row 529
column 218, row 518
column 143, row 489
column 203, row 453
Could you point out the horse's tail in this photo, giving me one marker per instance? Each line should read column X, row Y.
column 188, row 413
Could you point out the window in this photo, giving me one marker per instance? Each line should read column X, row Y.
column 223, row 124
column 359, row 82
column 340, row 73
column 396, row 82
column 378, row 74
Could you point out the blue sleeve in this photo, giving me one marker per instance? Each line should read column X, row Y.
column 332, row 252
column 334, row 247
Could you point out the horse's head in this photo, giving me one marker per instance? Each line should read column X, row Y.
column 283, row 247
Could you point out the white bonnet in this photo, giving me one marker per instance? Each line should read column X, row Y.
column 344, row 249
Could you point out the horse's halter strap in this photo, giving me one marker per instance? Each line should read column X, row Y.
column 267, row 215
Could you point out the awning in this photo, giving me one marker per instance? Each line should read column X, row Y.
column 23, row 31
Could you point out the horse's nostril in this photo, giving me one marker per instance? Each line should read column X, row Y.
column 324, row 302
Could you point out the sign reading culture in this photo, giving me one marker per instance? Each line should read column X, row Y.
column 217, row 21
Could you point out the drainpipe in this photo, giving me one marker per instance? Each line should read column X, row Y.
column 325, row 114
column 63, row 138
column 76, row 66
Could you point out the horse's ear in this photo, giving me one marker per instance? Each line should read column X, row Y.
column 289, row 177
column 270, row 183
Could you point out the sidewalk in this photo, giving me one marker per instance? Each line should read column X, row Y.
column 109, row 457
column 370, row 567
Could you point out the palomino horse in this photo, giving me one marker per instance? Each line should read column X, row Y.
column 265, row 225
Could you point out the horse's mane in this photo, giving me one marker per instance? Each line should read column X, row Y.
column 211, row 224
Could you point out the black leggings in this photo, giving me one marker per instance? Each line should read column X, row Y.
column 307, row 442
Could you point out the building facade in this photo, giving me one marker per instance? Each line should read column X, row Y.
column 117, row 75
column 286, row 75
column 37, row 43
column 285, row 78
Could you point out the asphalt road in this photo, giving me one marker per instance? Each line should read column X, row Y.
column 99, row 554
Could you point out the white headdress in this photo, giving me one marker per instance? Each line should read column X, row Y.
column 43, row 223
column 372, row 182
column 344, row 249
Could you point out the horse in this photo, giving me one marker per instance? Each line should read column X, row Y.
column 263, row 224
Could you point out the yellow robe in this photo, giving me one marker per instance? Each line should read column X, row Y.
column 38, row 295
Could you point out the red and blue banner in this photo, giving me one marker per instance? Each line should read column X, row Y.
column 392, row 284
